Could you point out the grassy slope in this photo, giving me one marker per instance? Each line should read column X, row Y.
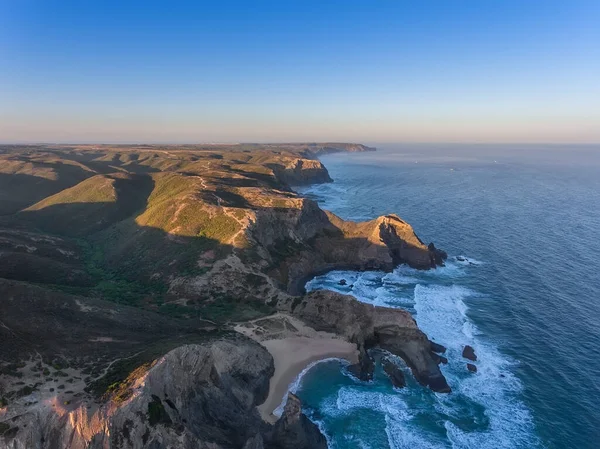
column 143, row 214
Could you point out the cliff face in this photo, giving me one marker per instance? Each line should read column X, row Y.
column 366, row 325
column 330, row 243
column 196, row 396
column 297, row 172
column 193, row 241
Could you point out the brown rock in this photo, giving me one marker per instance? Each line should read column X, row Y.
column 439, row 358
column 436, row 347
column 394, row 373
column 471, row 367
column 294, row 430
column 391, row 329
column 469, row 353
column 365, row 367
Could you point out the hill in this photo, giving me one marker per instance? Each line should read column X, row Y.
column 113, row 256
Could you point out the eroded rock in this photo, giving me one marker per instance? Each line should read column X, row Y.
column 394, row 373
column 469, row 353
column 363, row 370
column 364, row 324
column 294, row 430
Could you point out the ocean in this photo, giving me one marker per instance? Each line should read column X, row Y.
column 521, row 225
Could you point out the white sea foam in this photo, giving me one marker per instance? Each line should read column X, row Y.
column 295, row 385
column 441, row 314
column 490, row 397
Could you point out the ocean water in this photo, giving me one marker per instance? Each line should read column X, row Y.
column 526, row 221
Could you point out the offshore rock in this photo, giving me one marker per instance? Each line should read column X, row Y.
column 294, row 430
column 472, row 368
column 394, row 373
column 364, row 369
column 438, row 256
column 469, row 353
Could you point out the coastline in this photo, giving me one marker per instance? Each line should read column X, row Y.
column 292, row 356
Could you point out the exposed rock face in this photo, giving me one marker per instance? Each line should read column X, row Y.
column 436, row 347
column 394, row 373
column 195, row 396
column 391, row 329
column 379, row 244
column 294, row 430
column 437, row 255
column 469, row 353
column 472, row 368
column 439, row 359
column 255, row 442
column 365, row 367
column 296, row 172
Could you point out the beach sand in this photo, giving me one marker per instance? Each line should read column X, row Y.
column 292, row 355
column 294, row 346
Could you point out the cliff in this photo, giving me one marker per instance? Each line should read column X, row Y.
column 195, row 396
column 368, row 326
column 124, row 270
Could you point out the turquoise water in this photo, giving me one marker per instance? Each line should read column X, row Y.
column 527, row 219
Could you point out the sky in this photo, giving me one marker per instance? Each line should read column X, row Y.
column 258, row 71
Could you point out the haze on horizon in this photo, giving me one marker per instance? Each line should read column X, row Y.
column 436, row 71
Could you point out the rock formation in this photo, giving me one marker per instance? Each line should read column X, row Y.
column 195, row 396
column 297, row 172
column 363, row 370
column 394, row 373
column 364, row 324
column 469, row 353
column 167, row 249
column 294, row 430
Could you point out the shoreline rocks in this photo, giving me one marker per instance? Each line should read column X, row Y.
column 393, row 372
column 469, row 353
column 364, row 369
column 364, row 324
column 294, row 430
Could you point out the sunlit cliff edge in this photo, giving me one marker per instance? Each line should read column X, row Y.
column 124, row 271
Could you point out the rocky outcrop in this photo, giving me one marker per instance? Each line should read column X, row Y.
column 294, row 430
column 436, row 347
column 364, row 324
column 195, row 396
column 472, row 368
column 329, row 243
column 298, row 172
column 393, row 372
column 469, row 353
column 364, row 369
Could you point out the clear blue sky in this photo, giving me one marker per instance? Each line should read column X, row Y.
column 373, row 71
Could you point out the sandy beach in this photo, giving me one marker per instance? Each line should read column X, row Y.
column 292, row 355
column 294, row 346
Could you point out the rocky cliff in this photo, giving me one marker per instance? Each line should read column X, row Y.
column 196, row 396
column 368, row 326
column 119, row 302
